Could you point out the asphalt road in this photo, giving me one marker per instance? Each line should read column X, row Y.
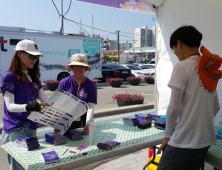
column 105, row 94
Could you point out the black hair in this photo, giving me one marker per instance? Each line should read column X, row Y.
column 188, row 35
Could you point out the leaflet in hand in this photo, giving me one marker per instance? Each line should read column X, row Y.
column 63, row 109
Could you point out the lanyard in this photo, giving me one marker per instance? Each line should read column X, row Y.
column 194, row 58
column 77, row 90
column 31, row 89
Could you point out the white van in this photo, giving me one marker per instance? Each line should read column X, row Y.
column 57, row 49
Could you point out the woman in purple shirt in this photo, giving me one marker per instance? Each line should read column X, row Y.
column 20, row 88
column 82, row 87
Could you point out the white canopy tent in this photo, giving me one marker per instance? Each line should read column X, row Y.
column 206, row 16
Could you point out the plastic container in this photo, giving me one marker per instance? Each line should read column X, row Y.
column 92, row 131
column 150, row 154
column 219, row 129
column 152, row 166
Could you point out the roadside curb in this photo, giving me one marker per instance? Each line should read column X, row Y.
column 113, row 111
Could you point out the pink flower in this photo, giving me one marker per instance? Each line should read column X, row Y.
column 133, row 78
column 124, row 97
column 51, row 81
column 110, row 80
column 94, row 80
column 149, row 77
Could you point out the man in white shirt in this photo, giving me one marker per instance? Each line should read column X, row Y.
column 189, row 122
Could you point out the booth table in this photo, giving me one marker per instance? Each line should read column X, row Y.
column 132, row 139
column 214, row 155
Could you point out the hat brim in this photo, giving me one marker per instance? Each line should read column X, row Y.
column 68, row 66
column 35, row 53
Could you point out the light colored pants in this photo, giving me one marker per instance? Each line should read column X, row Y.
column 11, row 136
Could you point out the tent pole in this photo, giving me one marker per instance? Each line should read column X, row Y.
column 156, row 95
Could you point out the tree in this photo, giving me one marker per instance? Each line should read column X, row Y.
column 115, row 59
column 106, row 58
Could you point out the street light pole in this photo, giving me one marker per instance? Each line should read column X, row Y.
column 118, row 44
column 61, row 17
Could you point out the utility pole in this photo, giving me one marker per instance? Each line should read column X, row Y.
column 92, row 26
column 61, row 17
column 118, row 44
column 80, row 27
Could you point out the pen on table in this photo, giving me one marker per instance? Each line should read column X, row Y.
column 65, row 151
column 39, row 102
column 81, row 154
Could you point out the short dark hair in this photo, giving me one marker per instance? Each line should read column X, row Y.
column 189, row 35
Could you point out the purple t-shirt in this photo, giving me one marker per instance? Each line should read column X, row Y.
column 22, row 95
column 87, row 92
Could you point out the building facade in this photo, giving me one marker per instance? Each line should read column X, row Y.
column 113, row 45
column 144, row 37
column 125, row 45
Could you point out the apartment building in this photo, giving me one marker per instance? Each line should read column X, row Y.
column 144, row 37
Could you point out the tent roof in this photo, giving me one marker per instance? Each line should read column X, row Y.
column 153, row 2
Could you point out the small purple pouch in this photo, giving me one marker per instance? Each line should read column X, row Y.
column 140, row 117
column 154, row 117
column 108, row 145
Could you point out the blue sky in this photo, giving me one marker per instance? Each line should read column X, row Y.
column 42, row 15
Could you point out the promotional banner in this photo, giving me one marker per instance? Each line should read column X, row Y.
column 131, row 5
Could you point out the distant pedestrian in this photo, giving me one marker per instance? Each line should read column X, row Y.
column 190, row 115
column 20, row 88
column 81, row 87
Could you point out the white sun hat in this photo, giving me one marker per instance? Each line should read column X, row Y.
column 29, row 47
column 79, row 60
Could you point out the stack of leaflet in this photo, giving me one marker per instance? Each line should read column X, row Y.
column 73, row 134
column 55, row 139
column 132, row 121
column 28, row 143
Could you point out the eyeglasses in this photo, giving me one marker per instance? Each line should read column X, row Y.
column 32, row 57
column 172, row 50
column 74, row 66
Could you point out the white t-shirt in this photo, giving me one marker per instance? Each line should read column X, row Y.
column 194, row 127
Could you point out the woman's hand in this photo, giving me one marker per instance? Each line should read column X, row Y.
column 162, row 147
column 42, row 105
column 86, row 129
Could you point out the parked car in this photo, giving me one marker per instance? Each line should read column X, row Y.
column 136, row 71
column 138, row 64
column 152, row 62
column 114, row 70
column 149, row 67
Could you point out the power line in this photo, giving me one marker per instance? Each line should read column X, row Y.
column 108, row 35
column 72, row 26
column 89, row 26
column 126, row 32
column 77, row 24
column 126, row 36
column 69, row 7
column 56, row 7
